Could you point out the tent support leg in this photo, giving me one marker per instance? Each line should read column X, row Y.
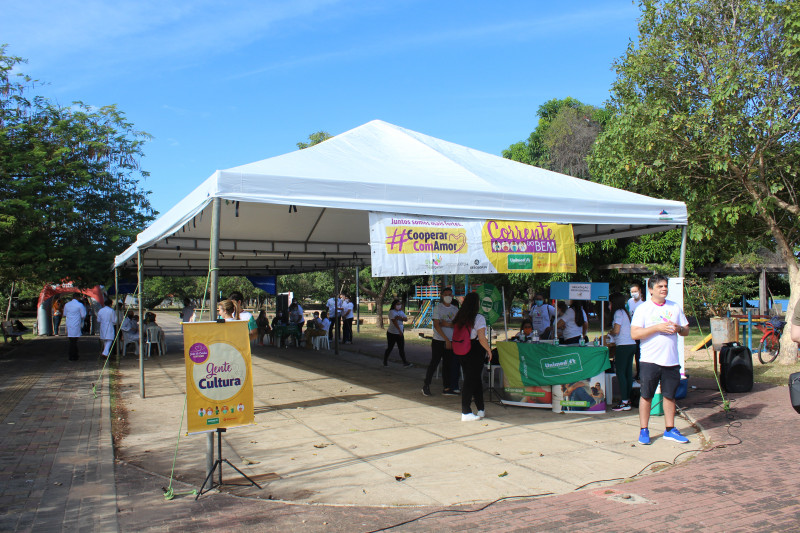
column 358, row 307
column 140, row 273
column 336, row 320
column 682, row 267
column 213, row 264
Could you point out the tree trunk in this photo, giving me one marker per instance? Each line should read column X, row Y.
column 788, row 353
column 10, row 299
column 378, row 297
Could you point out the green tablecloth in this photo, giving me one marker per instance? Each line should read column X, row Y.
column 544, row 364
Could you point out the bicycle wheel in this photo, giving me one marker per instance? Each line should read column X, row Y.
column 769, row 349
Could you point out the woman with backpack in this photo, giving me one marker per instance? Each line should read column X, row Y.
column 469, row 342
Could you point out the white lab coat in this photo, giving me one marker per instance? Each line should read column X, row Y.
column 74, row 313
column 107, row 318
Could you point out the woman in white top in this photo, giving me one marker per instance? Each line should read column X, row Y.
column 472, row 363
column 636, row 299
column 626, row 349
column 571, row 322
column 394, row 335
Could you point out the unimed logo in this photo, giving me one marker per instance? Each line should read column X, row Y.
column 561, row 365
column 520, row 262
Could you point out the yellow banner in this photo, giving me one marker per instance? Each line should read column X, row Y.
column 514, row 246
column 416, row 245
column 219, row 382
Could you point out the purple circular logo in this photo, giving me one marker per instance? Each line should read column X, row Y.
column 198, row 352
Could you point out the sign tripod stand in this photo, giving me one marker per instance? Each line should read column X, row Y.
column 218, row 465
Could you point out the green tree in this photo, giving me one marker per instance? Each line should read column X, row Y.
column 706, row 110
column 563, row 137
column 314, row 138
column 70, row 197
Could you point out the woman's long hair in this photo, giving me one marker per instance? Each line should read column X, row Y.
column 229, row 308
column 618, row 302
column 468, row 311
column 578, row 308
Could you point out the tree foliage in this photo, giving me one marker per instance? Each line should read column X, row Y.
column 706, row 111
column 70, row 196
column 563, row 137
column 314, row 138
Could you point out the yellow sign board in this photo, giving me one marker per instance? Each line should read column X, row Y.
column 219, row 377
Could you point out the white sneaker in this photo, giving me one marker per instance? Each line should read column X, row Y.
column 481, row 414
column 469, row 417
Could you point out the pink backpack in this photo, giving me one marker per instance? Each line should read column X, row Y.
column 461, row 339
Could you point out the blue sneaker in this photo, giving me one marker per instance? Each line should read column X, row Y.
column 674, row 434
column 644, row 436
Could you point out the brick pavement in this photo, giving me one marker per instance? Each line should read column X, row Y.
column 56, row 473
column 56, row 458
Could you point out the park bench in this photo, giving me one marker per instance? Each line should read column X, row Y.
column 10, row 331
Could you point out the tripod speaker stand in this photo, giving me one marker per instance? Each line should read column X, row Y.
column 218, row 465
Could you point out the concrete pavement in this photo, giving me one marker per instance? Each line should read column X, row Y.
column 335, row 430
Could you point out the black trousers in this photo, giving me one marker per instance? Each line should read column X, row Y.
column 73, row 348
column 392, row 339
column 440, row 353
column 472, row 364
column 347, row 335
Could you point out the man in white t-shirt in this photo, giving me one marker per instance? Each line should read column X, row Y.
column 334, row 306
column 347, row 320
column 442, row 348
column 657, row 324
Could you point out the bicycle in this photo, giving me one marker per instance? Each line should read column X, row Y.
column 770, row 346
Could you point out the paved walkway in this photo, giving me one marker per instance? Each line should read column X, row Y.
column 58, row 472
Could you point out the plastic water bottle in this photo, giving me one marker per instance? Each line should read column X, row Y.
column 536, row 335
column 555, row 341
column 596, row 341
column 582, row 342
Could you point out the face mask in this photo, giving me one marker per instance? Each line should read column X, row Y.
column 635, row 295
column 539, row 302
column 398, row 307
column 447, row 299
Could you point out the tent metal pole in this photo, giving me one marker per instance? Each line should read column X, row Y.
column 213, row 262
column 505, row 315
column 140, row 275
column 213, row 265
column 116, row 304
column 682, row 267
column 336, row 319
column 358, row 306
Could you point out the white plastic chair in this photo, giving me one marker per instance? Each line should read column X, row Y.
column 321, row 341
column 151, row 339
column 127, row 341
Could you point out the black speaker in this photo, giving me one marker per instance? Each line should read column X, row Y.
column 282, row 304
column 736, row 368
column 794, row 390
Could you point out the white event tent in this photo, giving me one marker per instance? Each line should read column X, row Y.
column 308, row 210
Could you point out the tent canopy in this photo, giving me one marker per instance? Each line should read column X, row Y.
column 308, row 210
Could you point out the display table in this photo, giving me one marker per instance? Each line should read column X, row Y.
column 532, row 372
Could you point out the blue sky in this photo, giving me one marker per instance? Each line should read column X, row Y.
column 223, row 83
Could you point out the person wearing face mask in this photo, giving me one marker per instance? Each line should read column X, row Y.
column 394, row 335
column 542, row 315
column 636, row 299
column 442, row 348
column 525, row 334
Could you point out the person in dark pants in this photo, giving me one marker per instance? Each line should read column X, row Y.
column 394, row 335
column 657, row 323
column 347, row 320
column 473, row 362
column 74, row 313
column 441, row 346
